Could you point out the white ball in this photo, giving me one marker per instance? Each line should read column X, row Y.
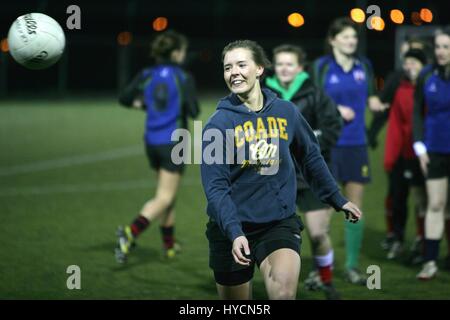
column 36, row 41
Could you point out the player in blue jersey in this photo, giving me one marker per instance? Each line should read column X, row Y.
column 431, row 129
column 291, row 82
column 348, row 79
column 167, row 93
column 249, row 178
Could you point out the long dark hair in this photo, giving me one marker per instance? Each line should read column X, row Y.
column 337, row 26
column 165, row 43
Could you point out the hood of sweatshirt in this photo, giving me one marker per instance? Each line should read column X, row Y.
column 233, row 103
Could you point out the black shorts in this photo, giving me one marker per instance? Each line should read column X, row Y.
column 159, row 156
column 439, row 165
column 263, row 239
column 308, row 201
column 350, row 164
column 413, row 173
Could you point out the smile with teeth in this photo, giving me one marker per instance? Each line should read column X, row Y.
column 237, row 82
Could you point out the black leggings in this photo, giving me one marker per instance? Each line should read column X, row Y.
column 404, row 175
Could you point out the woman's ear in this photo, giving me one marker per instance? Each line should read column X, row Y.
column 259, row 71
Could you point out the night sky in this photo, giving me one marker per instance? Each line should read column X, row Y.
column 92, row 53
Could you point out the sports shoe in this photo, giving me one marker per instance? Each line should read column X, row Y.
column 125, row 242
column 172, row 252
column 395, row 250
column 330, row 292
column 417, row 244
column 355, row 276
column 428, row 271
column 387, row 242
column 313, row 282
column 416, row 256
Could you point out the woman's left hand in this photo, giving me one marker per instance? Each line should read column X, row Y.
column 376, row 105
column 352, row 212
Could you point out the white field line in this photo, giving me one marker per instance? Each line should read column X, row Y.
column 72, row 161
column 89, row 188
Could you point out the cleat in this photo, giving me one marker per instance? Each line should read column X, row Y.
column 355, row 276
column 417, row 245
column 416, row 259
column 395, row 250
column 330, row 292
column 428, row 271
column 120, row 256
column 313, row 282
column 387, row 242
column 125, row 242
column 416, row 256
column 170, row 253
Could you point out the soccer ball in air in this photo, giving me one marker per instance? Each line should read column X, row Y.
column 36, row 41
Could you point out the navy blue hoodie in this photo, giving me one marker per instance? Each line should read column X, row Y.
column 243, row 192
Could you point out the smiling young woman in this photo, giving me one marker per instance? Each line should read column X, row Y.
column 252, row 212
column 432, row 146
column 348, row 79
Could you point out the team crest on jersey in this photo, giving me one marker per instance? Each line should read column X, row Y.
column 334, row 79
column 164, row 72
column 359, row 76
column 432, row 87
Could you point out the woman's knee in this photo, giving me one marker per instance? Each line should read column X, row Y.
column 286, row 287
column 436, row 206
column 165, row 200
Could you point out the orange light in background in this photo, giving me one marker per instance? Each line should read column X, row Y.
column 377, row 23
column 124, row 38
column 415, row 19
column 357, row 15
column 397, row 16
column 160, row 24
column 296, row 20
column 4, row 45
column 426, row 15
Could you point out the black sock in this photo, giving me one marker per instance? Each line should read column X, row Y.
column 167, row 234
column 139, row 224
column 431, row 250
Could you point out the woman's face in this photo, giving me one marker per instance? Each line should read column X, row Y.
column 240, row 71
column 442, row 49
column 286, row 66
column 345, row 41
column 412, row 67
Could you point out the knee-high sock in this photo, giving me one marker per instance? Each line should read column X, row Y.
column 139, row 225
column 325, row 266
column 353, row 241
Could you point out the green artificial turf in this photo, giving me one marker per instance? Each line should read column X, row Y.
column 71, row 171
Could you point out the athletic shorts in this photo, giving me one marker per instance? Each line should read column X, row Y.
column 308, row 201
column 350, row 164
column 159, row 157
column 413, row 173
column 439, row 166
column 263, row 238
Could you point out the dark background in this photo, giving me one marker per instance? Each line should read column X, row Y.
column 94, row 62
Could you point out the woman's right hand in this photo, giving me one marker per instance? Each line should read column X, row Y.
column 238, row 244
column 346, row 112
column 424, row 160
column 138, row 103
